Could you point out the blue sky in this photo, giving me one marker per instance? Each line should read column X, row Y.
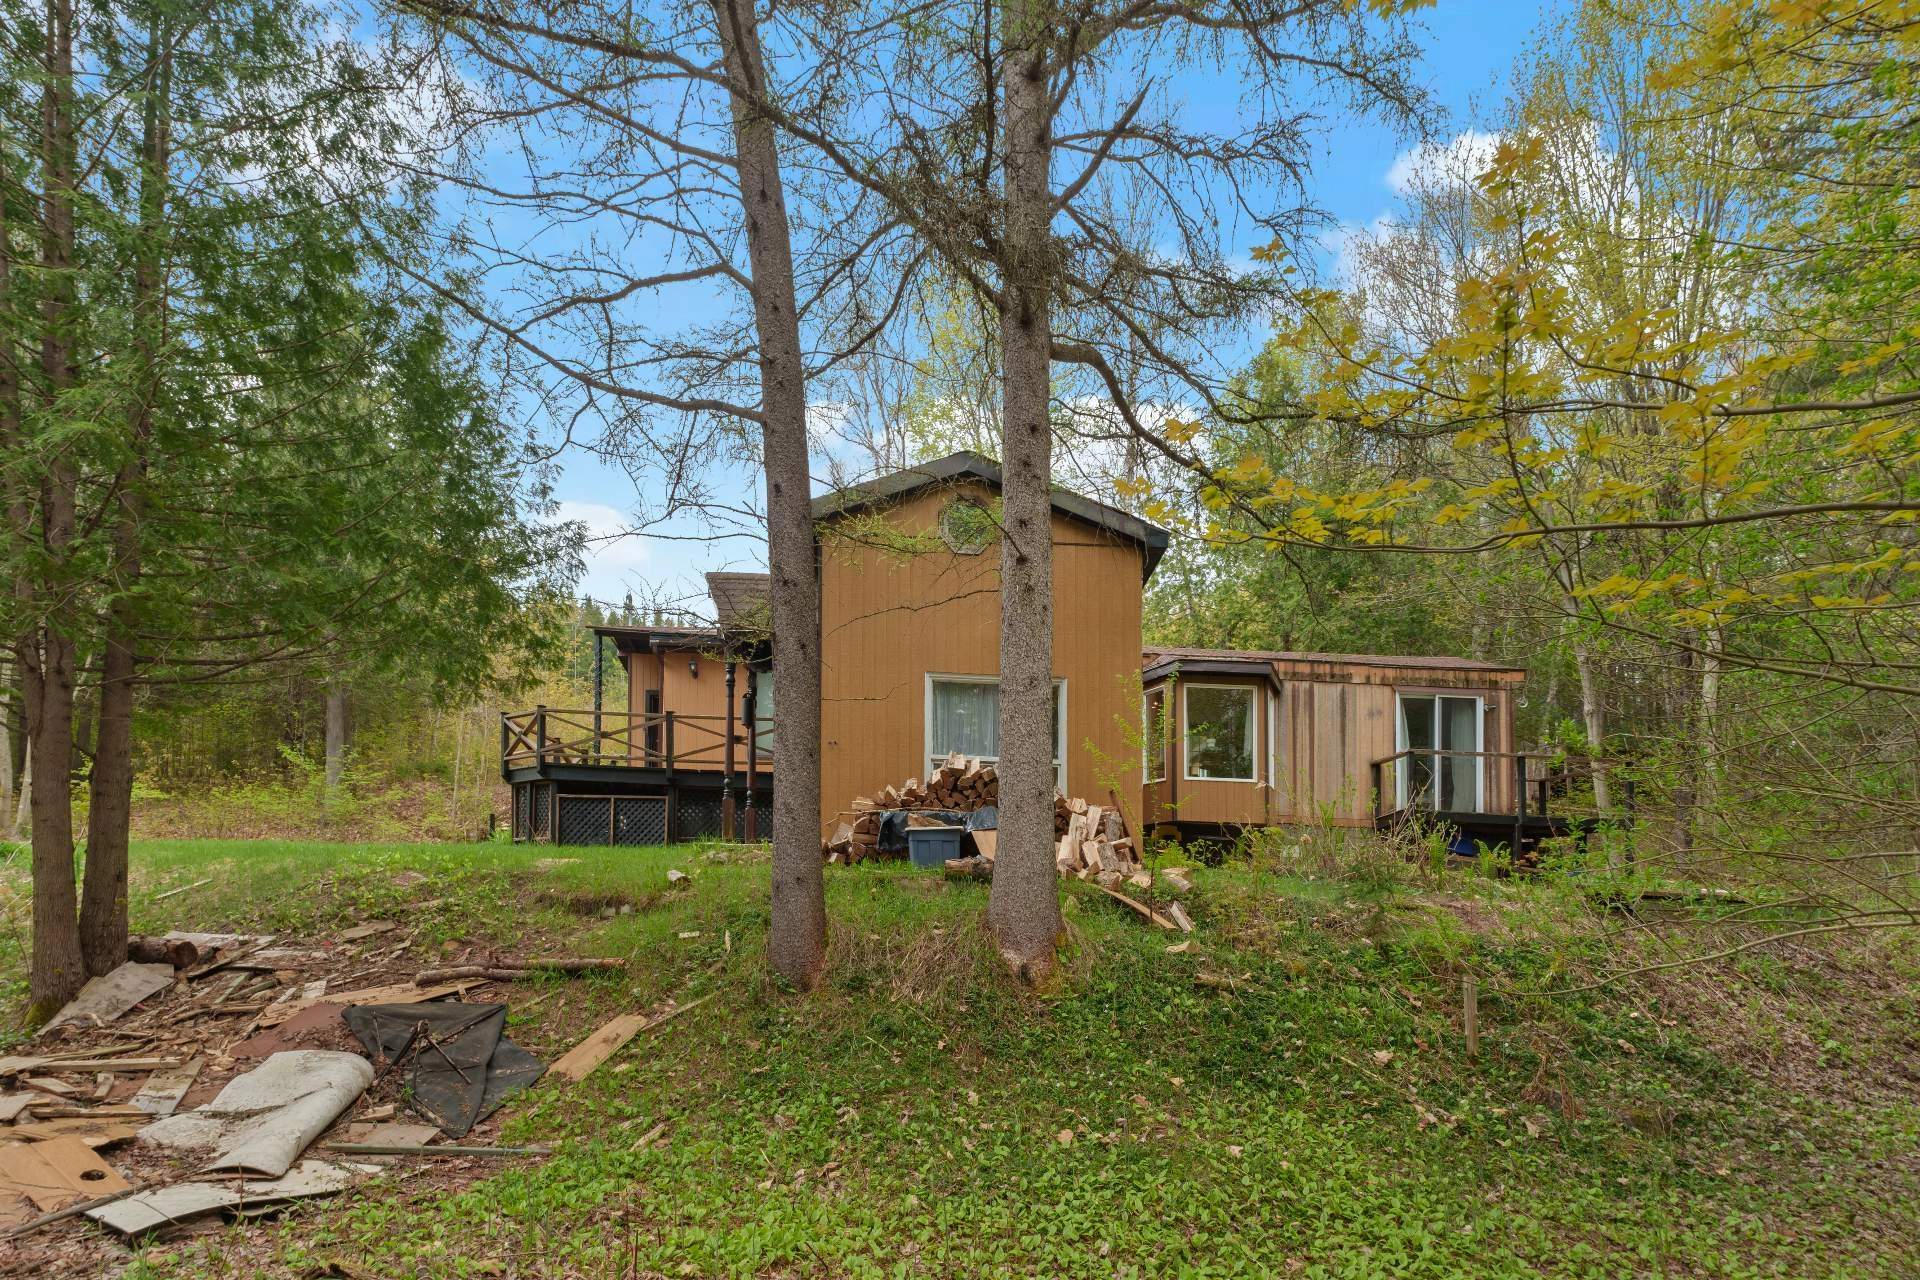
column 1470, row 48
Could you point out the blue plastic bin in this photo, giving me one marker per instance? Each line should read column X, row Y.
column 930, row 847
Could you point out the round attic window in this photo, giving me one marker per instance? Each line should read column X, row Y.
column 966, row 527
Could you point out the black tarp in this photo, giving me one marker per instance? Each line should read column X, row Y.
column 461, row 1066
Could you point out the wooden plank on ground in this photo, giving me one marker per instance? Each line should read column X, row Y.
column 580, row 1061
column 1146, row 912
column 396, row 993
column 162, row 1092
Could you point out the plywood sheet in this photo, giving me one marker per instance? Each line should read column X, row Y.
column 56, row 1173
column 142, row 1213
column 94, row 1131
column 107, row 997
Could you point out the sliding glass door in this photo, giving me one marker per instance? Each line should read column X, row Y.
column 1432, row 725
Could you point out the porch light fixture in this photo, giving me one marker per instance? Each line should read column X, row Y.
column 693, row 667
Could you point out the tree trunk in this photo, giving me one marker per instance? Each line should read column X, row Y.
column 47, row 658
column 6, row 705
column 337, row 733
column 1681, row 714
column 796, row 942
column 103, row 899
column 1023, row 905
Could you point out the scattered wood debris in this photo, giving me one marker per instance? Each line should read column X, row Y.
column 580, row 1061
column 107, row 997
column 195, row 1017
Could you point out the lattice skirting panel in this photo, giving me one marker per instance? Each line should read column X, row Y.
column 542, row 826
column 699, row 816
column 523, row 811
column 612, row 820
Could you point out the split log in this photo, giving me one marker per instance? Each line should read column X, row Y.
column 178, row 952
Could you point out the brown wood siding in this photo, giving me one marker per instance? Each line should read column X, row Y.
column 890, row 616
column 1341, row 729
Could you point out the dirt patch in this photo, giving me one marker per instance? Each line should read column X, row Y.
column 598, row 904
column 1477, row 918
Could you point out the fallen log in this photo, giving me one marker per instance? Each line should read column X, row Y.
column 509, row 970
column 178, row 952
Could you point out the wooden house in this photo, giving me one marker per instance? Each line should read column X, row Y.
column 910, row 638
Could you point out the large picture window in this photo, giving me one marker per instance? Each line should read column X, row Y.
column 963, row 714
column 1219, row 731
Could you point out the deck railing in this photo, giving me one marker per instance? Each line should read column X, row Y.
column 1519, row 784
column 647, row 740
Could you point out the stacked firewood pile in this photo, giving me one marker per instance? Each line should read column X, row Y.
column 1091, row 841
column 960, row 785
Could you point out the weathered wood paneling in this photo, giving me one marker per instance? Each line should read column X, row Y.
column 892, row 611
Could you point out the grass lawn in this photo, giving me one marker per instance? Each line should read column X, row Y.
column 919, row 1116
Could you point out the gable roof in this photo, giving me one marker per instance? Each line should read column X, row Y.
column 967, row 465
column 739, row 599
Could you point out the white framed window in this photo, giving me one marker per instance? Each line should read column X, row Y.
column 1218, row 728
column 1156, row 734
column 963, row 714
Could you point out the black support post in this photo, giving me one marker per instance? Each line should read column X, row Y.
column 726, row 776
column 673, row 792
column 599, row 686
column 1519, row 802
column 753, row 760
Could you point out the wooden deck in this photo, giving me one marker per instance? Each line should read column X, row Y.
column 1424, row 788
column 612, row 777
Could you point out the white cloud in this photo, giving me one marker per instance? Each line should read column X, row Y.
column 614, row 553
column 1455, row 162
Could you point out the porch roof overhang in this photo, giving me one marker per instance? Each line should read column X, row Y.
column 747, row 646
column 1159, row 671
column 1352, row 668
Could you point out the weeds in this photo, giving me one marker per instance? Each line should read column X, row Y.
column 920, row 1115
